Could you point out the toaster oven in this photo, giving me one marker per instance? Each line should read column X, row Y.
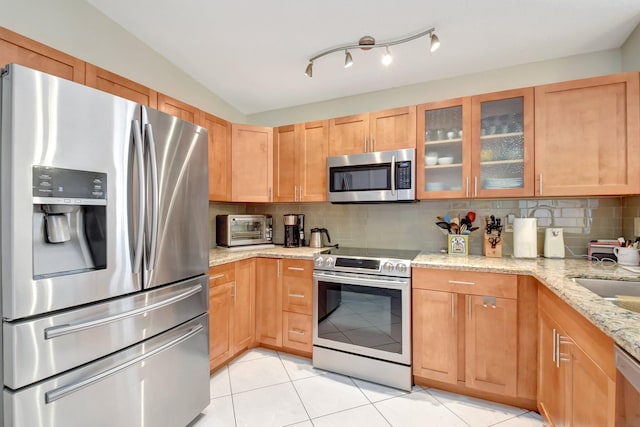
column 240, row 230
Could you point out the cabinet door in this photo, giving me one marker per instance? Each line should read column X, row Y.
column 114, row 84
column 349, row 135
column 313, row 149
column 443, row 165
column 296, row 331
column 219, row 134
column 392, row 129
column 268, row 302
column 220, row 326
column 502, row 144
column 251, row 163
column 179, row 109
column 551, row 377
column 297, row 286
column 244, row 305
column 435, row 343
column 491, row 344
column 284, row 164
column 18, row 49
column 587, row 137
column 592, row 401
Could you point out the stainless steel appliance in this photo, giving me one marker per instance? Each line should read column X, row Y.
column 627, row 389
column 316, row 240
column 302, row 241
column 291, row 231
column 241, row 230
column 383, row 176
column 104, row 261
column 362, row 314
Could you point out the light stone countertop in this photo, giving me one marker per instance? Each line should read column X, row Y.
column 620, row 324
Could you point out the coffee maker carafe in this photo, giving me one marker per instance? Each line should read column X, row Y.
column 291, row 231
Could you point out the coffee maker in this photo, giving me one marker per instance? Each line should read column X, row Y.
column 291, row 231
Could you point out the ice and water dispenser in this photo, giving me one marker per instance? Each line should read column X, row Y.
column 69, row 221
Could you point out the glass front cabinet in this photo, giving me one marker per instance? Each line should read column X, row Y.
column 480, row 146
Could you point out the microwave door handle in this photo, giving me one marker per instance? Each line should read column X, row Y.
column 393, row 175
column 139, row 154
column 153, row 166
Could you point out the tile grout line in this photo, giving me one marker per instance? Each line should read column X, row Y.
column 294, row 388
column 448, row 409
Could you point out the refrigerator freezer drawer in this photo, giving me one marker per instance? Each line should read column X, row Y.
column 161, row 382
column 39, row 348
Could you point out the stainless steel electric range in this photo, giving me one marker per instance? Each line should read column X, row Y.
column 362, row 314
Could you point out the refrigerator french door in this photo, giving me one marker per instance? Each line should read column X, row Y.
column 103, row 220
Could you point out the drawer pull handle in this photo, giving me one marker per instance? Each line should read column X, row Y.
column 460, row 282
column 296, row 295
column 295, row 268
column 217, row 276
column 296, row 331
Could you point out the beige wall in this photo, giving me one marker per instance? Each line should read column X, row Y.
column 569, row 68
column 412, row 226
column 631, row 51
column 77, row 28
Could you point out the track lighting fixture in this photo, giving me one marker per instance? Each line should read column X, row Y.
column 368, row 42
column 348, row 60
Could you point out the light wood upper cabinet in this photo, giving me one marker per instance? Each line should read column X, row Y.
column 479, row 146
column 219, row 134
column 378, row 131
column 18, row 49
column 179, row 109
column 114, row 84
column 299, row 162
column 588, row 137
column 251, row 163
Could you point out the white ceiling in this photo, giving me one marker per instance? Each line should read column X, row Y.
column 253, row 53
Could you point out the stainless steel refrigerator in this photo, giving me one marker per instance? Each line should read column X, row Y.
column 104, row 258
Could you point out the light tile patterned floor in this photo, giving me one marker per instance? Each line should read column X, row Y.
column 265, row 388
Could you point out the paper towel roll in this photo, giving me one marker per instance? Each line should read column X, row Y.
column 525, row 238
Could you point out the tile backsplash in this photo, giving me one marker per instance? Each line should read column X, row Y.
column 412, row 225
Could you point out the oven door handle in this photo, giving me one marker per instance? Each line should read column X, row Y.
column 359, row 279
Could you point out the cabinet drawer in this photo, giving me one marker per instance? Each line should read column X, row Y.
column 296, row 295
column 296, row 331
column 224, row 273
column 466, row 282
column 297, row 268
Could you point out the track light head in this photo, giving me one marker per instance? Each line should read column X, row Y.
column 387, row 58
column 309, row 70
column 348, row 60
column 435, row 43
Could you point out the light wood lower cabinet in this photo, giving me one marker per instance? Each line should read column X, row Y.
column 576, row 384
column 283, row 303
column 465, row 334
column 231, row 310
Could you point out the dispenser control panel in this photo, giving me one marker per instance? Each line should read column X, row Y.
column 68, row 186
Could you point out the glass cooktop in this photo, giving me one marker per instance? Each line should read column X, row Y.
column 404, row 254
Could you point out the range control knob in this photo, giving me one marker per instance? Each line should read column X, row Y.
column 328, row 262
column 388, row 267
column 401, row 268
column 318, row 262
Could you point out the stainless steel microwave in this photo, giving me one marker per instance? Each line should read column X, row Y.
column 382, row 176
column 240, row 230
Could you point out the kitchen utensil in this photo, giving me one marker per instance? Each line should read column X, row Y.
column 316, row 240
column 444, row 225
column 447, row 218
column 455, row 228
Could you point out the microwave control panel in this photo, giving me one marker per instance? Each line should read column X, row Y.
column 403, row 175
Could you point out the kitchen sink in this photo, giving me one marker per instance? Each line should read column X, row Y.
column 623, row 293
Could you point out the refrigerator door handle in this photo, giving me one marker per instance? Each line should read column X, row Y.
column 57, row 331
column 154, row 196
column 137, row 139
column 59, row 393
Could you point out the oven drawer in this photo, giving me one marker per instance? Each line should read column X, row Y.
column 220, row 274
column 297, row 330
column 466, row 282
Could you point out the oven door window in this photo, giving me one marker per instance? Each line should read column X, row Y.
column 360, row 178
column 359, row 315
column 249, row 229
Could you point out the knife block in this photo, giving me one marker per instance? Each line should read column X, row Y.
column 488, row 251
